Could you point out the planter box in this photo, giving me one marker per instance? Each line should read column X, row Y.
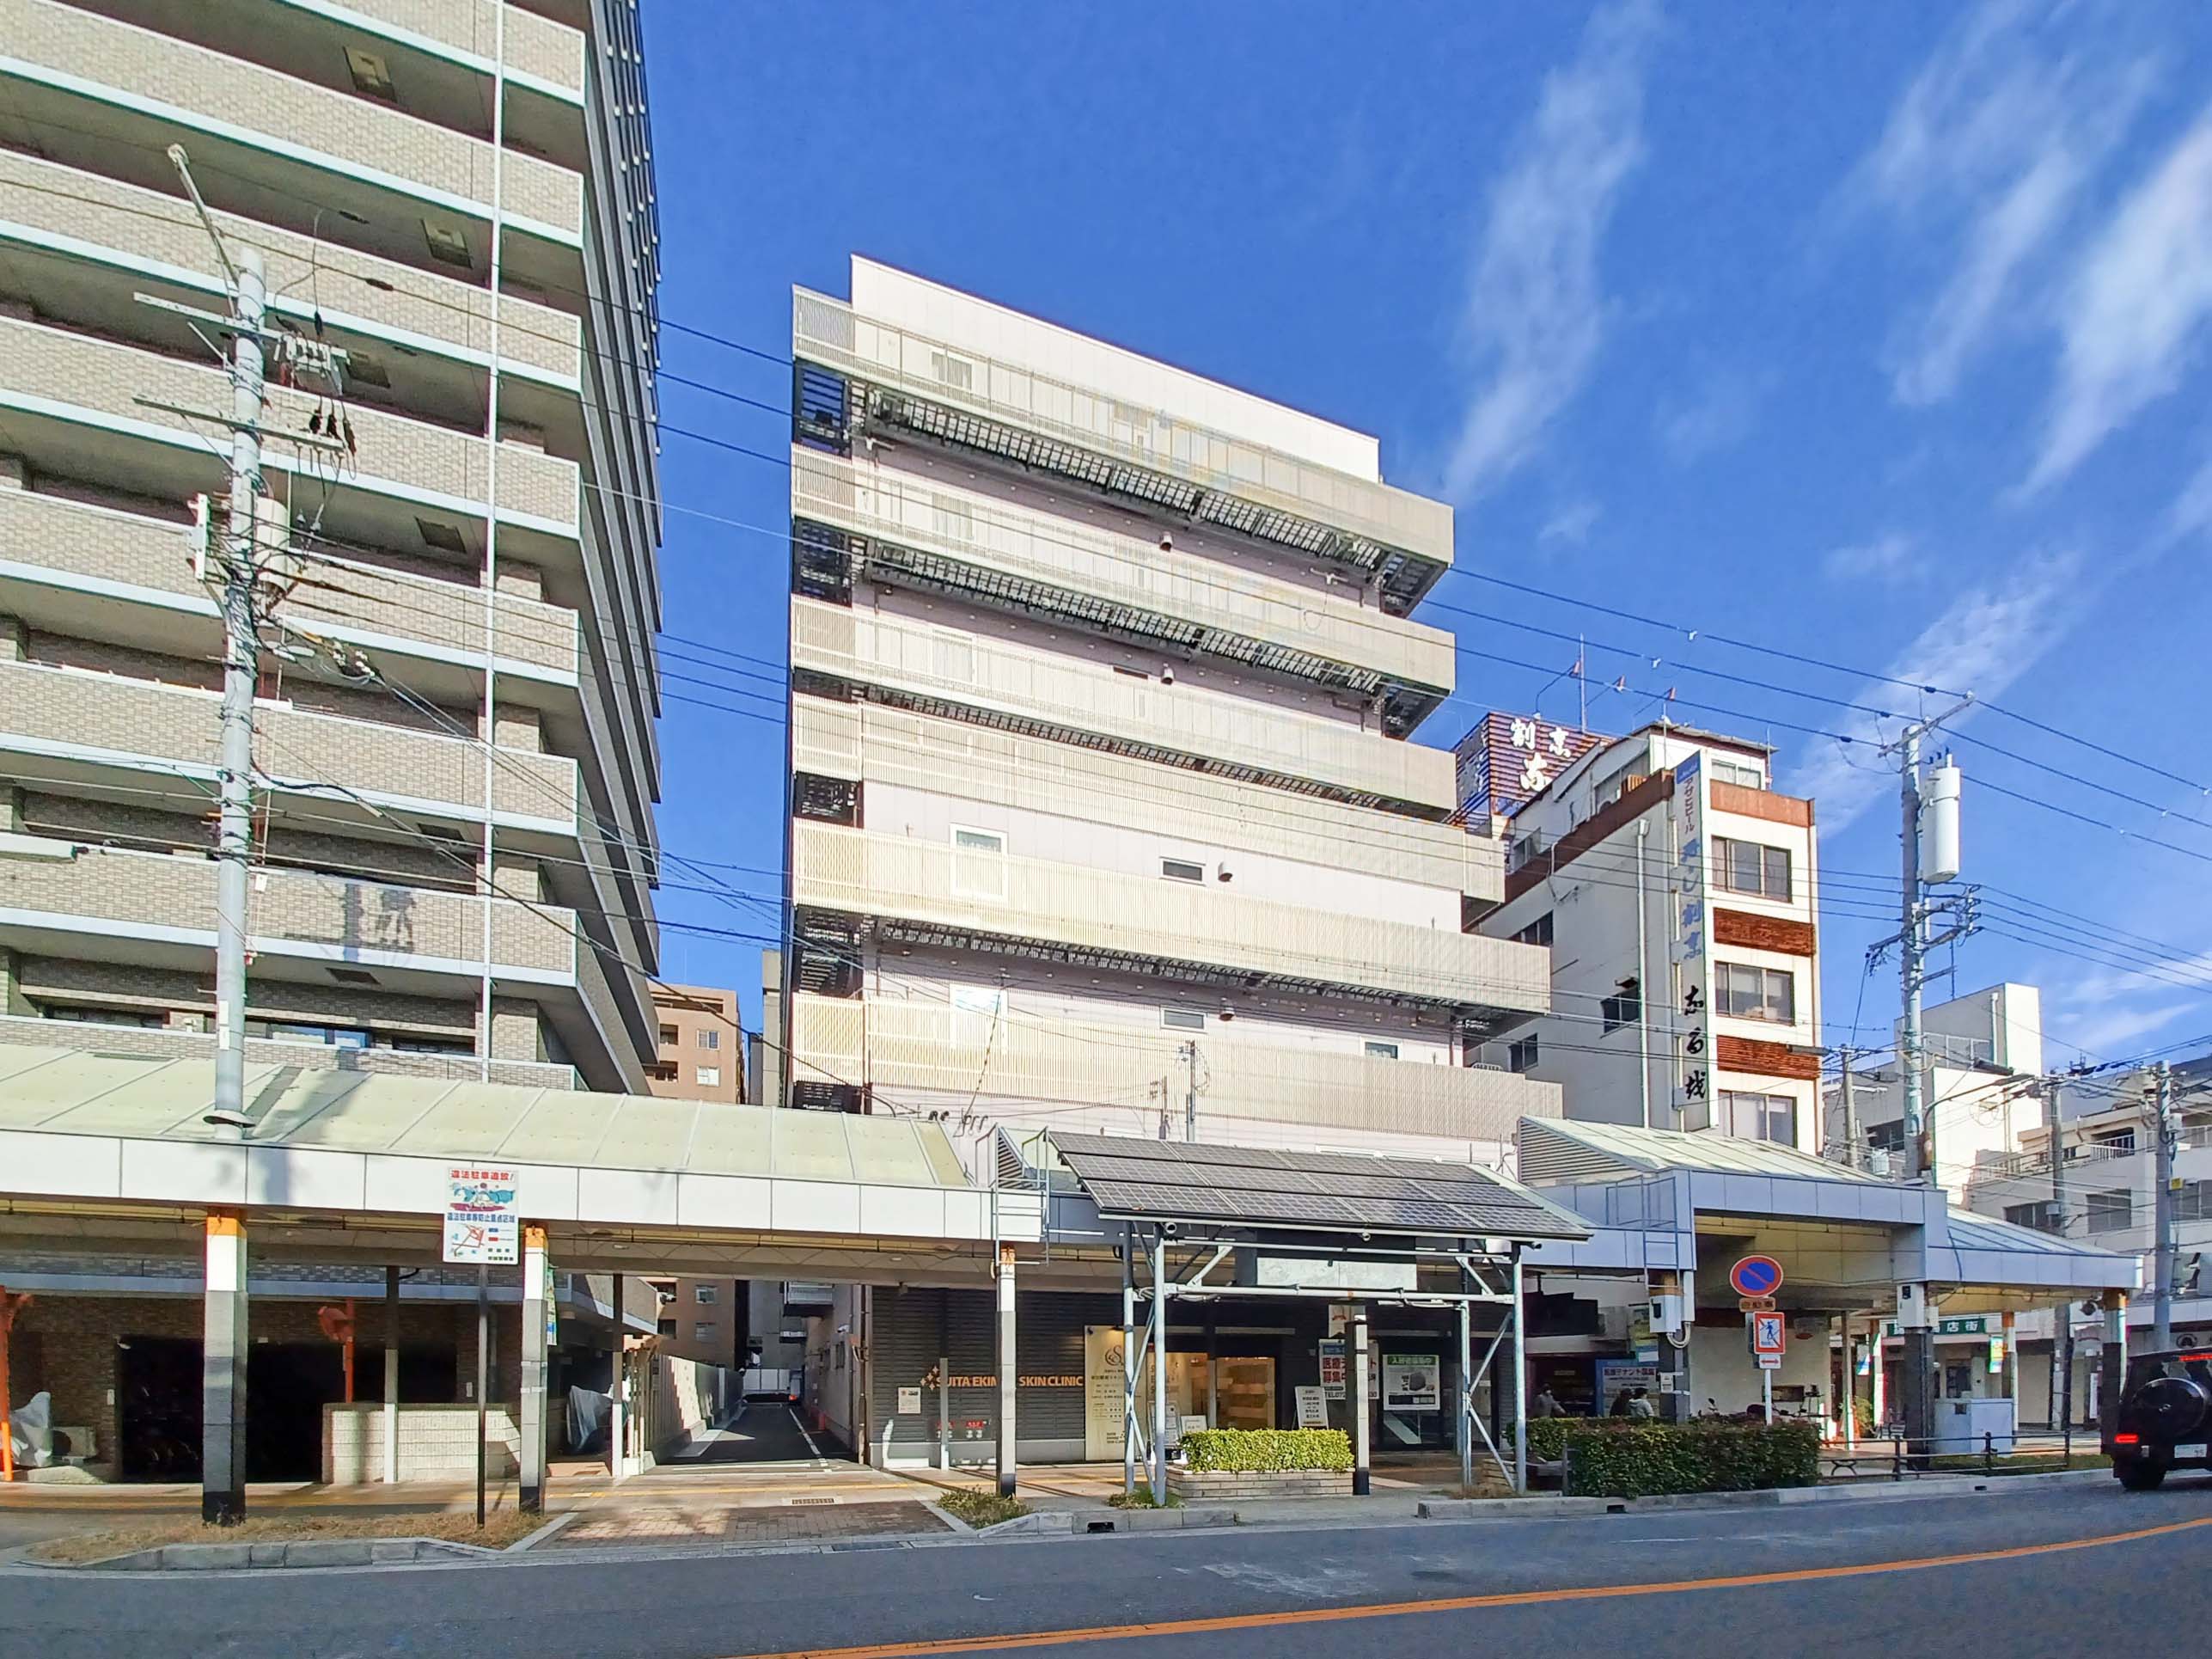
column 1288, row 1483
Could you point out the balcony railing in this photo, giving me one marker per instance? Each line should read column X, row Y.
column 869, row 741
column 1026, row 415
column 999, row 554
column 331, row 918
column 353, row 598
column 1019, row 689
column 19, row 1032
column 83, row 376
column 58, row 206
column 189, row 86
column 932, row 892
column 904, row 1048
column 90, row 720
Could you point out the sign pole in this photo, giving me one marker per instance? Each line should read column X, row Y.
column 1767, row 1392
column 483, row 1374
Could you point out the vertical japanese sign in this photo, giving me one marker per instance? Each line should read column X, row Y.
column 483, row 1221
column 1692, row 989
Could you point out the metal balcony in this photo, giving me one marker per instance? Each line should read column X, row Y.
column 857, row 379
column 904, row 531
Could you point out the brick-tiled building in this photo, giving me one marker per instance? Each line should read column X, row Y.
column 488, row 546
column 453, row 850
column 699, row 1052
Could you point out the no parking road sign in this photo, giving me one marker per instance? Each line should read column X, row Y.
column 1755, row 1275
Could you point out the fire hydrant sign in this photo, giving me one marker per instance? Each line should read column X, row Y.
column 483, row 1223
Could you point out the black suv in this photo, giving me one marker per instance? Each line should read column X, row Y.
column 2165, row 1419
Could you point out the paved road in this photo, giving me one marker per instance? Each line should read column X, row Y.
column 706, row 1607
column 765, row 1431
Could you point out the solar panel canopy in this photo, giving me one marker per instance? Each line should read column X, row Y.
column 1132, row 1179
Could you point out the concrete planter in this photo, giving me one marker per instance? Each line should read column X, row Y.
column 1209, row 1486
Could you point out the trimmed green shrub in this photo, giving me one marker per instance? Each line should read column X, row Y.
column 1617, row 1457
column 1241, row 1451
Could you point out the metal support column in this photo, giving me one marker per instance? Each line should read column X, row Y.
column 391, row 1375
column 538, row 1316
column 1356, row 1384
column 1008, row 1366
column 1520, row 1383
column 944, row 1411
column 1463, row 1430
column 483, row 1379
column 222, row 1378
column 1128, row 1361
column 1159, row 1369
column 618, row 1389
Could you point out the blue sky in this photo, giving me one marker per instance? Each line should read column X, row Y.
column 1881, row 335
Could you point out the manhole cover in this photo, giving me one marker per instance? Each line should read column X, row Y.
column 805, row 1502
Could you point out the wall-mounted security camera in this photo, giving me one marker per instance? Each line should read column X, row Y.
column 1167, row 675
column 1167, row 543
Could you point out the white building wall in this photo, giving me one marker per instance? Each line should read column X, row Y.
column 961, row 320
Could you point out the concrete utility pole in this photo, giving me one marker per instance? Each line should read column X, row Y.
column 2062, row 1335
column 1850, row 1110
column 1917, row 1372
column 2168, row 1136
column 1190, row 1091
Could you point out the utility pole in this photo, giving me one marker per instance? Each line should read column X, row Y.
column 2162, row 1304
column 1190, row 1091
column 2061, row 1334
column 1850, row 1110
column 1922, row 862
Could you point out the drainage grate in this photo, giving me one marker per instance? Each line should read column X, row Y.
column 870, row 1543
column 807, row 1503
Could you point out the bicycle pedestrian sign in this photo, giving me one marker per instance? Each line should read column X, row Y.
column 1767, row 1344
column 1755, row 1275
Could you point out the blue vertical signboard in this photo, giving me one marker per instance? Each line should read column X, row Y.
column 1692, row 989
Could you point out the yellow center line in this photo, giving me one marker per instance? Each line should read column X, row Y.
column 1463, row 1603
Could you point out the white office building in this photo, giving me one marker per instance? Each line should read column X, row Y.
column 1677, row 894
column 1105, row 813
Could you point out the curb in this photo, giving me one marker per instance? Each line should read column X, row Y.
column 305, row 1553
column 1545, row 1508
column 542, row 1534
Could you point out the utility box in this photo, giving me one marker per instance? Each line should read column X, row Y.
column 1961, row 1426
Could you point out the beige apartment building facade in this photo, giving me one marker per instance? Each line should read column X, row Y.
column 699, row 1044
column 460, row 197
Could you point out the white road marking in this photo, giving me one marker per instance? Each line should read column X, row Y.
column 813, row 1450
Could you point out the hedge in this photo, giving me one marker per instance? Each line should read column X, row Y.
column 1615, row 1457
column 1239, row 1451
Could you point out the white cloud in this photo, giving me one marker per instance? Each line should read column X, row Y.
column 2192, row 514
column 1890, row 557
column 1983, row 642
column 2137, row 309
column 1988, row 153
column 1571, row 524
column 1717, row 416
column 1534, row 314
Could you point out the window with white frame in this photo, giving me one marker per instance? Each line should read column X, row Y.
column 979, row 863
column 1381, row 1051
column 1750, row 867
column 705, row 1294
column 710, row 1077
column 709, row 1038
column 1177, row 1018
column 1617, row 782
column 1742, row 773
column 1744, row 992
column 1181, row 870
column 1751, row 1117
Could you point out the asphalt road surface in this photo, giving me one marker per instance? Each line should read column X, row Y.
column 1458, row 1587
column 765, row 1431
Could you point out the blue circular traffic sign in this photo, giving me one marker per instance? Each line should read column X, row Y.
column 1755, row 1275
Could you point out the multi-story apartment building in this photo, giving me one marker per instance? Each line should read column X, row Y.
column 1981, row 1056
column 1678, row 895
column 700, row 1052
column 1104, row 813
column 2107, row 1193
column 703, row 1320
column 460, row 197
